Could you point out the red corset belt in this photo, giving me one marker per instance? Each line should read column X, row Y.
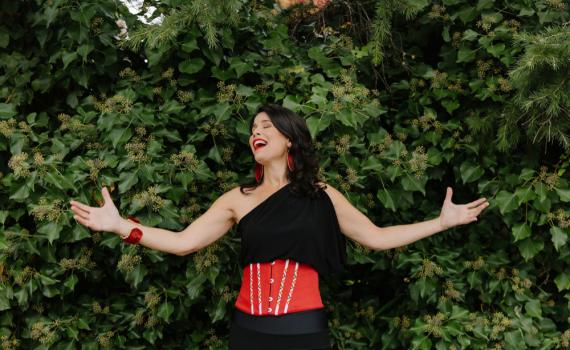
column 278, row 287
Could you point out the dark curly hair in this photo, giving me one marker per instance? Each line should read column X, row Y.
column 303, row 178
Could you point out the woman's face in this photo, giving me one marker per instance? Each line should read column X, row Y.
column 266, row 141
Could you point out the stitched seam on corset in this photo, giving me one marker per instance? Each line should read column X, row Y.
column 259, row 287
column 281, row 287
column 292, row 287
column 251, row 288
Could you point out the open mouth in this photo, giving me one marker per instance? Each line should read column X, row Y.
column 259, row 144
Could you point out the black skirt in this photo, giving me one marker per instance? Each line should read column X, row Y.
column 303, row 330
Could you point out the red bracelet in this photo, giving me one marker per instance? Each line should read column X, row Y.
column 135, row 235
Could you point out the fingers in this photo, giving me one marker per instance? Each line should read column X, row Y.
column 81, row 206
column 478, row 210
column 79, row 211
column 476, row 203
column 106, row 195
column 81, row 220
column 474, row 212
column 448, row 194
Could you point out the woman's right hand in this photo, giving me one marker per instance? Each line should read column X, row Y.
column 105, row 218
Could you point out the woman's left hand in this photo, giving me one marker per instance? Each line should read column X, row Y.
column 459, row 214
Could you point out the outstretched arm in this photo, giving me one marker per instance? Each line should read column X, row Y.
column 206, row 229
column 358, row 227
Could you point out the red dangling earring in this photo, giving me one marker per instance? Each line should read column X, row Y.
column 258, row 172
column 290, row 162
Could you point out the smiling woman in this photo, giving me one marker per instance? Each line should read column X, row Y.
column 275, row 127
column 292, row 227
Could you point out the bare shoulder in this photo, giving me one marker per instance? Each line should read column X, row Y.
column 234, row 200
column 228, row 201
column 233, row 196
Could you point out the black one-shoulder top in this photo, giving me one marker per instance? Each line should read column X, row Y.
column 287, row 226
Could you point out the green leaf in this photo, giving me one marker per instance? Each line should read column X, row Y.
column 458, row 313
column 171, row 107
column 421, row 343
column 84, row 50
column 47, row 281
column 526, row 12
column 542, row 205
column 21, row 297
column 445, row 34
column 374, row 110
column 541, row 190
column 562, row 281
column 347, row 117
column 450, row 105
column 317, row 54
column 559, row 237
column 417, row 4
column 529, row 248
column 4, row 301
column 292, row 103
column 484, row 4
column 7, row 110
column 67, row 58
column 4, row 38
column 82, row 324
column 412, row 183
column 191, row 66
column 506, row 201
column 465, row 54
column 533, row 308
column 51, row 230
column 470, row 35
column 120, row 136
column 219, row 310
column 470, row 172
column 496, row 50
column 195, row 286
column 79, row 232
column 71, row 332
column 386, row 199
column 111, row 241
column 521, row 232
column 190, row 45
column 525, row 194
column 317, row 125
column 474, row 279
column 214, row 154
column 70, row 282
column 59, row 180
column 22, row 193
column 165, row 310
column 515, row 340
column 41, row 84
column 563, row 194
column 136, row 276
column 239, row 66
column 127, row 180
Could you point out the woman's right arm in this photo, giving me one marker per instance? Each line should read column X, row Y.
column 203, row 231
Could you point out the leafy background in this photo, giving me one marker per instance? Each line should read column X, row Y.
column 403, row 98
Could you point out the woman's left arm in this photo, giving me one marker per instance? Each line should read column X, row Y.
column 358, row 227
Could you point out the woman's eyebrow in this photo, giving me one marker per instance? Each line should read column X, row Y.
column 263, row 121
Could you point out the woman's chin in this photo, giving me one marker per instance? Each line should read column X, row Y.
column 261, row 159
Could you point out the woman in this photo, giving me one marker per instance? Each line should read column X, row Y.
column 291, row 227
